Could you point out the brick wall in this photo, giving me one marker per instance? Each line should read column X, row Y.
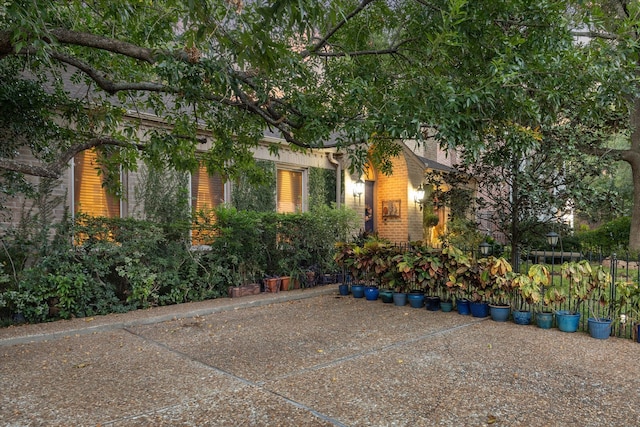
column 408, row 173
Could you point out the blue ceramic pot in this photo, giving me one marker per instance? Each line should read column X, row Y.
column 463, row 306
column 432, row 303
column 599, row 328
column 357, row 291
column 521, row 317
column 567, row 321
column 544, row 320
column 499, row 313
column 479, row 309
column 343, row 289
column 400, row 298
column 371, row 293
column 446, row 306
column 416, row 300
column 386, row 296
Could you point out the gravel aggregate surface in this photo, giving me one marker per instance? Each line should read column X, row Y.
column 311, row 358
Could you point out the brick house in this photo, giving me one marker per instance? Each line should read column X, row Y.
column 386, row 204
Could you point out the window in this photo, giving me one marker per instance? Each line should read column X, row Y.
column 207, row 192
column 89, row 195
column 289, row 195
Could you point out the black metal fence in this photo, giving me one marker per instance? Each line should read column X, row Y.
column 622, row 267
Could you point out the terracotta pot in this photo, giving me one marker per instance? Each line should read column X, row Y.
column 272, row 285
column 244, row 290
column 285, row 283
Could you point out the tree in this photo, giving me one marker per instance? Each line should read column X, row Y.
column 525, row 190
column 358, row 74
column 609, row 36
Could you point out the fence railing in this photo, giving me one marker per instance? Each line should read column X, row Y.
column 622, row 267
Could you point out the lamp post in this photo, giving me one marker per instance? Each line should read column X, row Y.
column 552, row 239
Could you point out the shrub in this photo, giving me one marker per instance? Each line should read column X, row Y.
column 609, row 237
column 98, row 265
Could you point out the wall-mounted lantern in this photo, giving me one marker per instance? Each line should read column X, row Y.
column 418, row 196
column 358, row 189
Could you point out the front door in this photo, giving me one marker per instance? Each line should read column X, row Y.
column 368, row 207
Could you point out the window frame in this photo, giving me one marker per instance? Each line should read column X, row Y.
column 303, row 190
column 72, row 193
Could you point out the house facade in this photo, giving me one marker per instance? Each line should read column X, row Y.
column 388, row 205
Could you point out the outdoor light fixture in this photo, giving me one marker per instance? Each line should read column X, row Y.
column 418, row 196
column 552, row 238
column 485, row 248
column 358, row 189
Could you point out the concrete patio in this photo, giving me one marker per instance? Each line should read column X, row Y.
column 311, row 358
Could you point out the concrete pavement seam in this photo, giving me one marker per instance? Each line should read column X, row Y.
column 110, row 326
column 376, row 350
column 245, row 381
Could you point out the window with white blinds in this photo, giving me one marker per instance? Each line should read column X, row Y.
column 289, row 196
column 89, row 196
column 207, row 192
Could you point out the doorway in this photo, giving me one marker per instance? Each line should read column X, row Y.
column 369, row 207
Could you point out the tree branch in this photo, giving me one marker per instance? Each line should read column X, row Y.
column 595, row 35
column 390, row 51
column 65, row 36
column 325, row 39
column 616, row 154
column 55, row 169
column 107, row 85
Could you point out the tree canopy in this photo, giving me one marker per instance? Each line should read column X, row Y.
column 351, row 74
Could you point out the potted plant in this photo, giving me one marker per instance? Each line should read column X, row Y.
column 602, row 308
column 532, row 293
column 390, row 277
column 371, row 262
column 429, row 274
column 457, row 268
column 343, row 257
column 627, row 305
column 480, row 290
column 580, row 280
column 496, row 275
column 406, row 264
column 383, row 268
column 348, row 257
column 528, row 289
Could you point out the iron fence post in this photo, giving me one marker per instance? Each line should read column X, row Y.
column 612, row 292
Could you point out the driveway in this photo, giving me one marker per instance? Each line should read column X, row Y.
column 311, row 358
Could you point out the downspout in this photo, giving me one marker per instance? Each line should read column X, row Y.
column 338, row 166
